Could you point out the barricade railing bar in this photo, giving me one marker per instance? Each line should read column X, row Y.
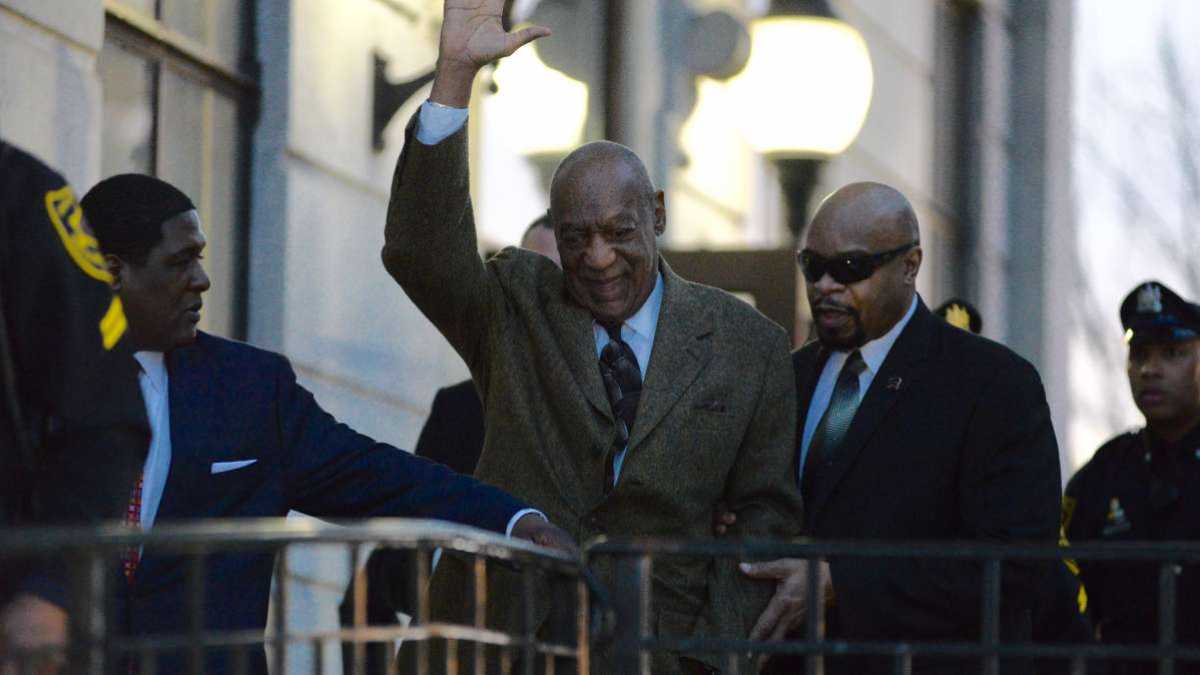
column 97, row 642
column 619, row 617
column 632, row 602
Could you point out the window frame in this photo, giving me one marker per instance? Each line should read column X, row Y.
column 163, row 47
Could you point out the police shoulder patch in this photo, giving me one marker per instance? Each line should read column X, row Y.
column 67, row 217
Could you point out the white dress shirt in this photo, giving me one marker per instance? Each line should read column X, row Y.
column 153, row 380
column 638, row 332
column 873, row 353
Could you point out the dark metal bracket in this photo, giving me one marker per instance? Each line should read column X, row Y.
column 389, row 97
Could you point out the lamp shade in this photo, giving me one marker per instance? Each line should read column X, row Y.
column 806, row 89
column 543, row 110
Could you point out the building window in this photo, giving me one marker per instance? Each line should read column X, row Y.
column 180, row 91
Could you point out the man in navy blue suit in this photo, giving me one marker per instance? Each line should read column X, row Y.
column 234, row 434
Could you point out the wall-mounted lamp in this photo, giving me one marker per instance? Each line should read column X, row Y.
column 810, row 79
column 388, row 97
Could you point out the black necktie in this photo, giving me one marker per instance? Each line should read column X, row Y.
column 834, row 424
column 623, row 384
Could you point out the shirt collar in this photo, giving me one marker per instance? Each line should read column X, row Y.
column 645, row 320
column 154, row 366
column 875, row 351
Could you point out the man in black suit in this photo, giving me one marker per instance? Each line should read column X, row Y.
column 911, row 429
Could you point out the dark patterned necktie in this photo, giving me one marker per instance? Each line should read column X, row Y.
column 623, row 383
column 834, row 424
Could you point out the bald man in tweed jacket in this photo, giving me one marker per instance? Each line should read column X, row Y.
column 715, row 421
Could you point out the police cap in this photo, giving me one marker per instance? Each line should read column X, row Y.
column 1155, row 313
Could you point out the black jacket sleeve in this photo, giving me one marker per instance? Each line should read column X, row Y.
column 81, row 419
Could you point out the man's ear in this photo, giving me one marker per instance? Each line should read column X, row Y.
column 116, row 269
column 912, row 265
column 660, row 213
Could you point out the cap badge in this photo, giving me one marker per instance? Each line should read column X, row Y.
column 1149, row 299
column 957, row 316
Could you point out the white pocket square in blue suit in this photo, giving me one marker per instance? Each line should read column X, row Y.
column 222, row 467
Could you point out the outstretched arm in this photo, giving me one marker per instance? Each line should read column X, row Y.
column 429, row 246
column 336, row 472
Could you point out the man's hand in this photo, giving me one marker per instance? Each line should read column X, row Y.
column 789, row 607
column 473, row 36
column 535, row 528
column 30, row 623
column 723, row 519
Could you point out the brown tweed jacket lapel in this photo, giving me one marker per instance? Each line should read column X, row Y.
column 572, row 326
column 681, row 351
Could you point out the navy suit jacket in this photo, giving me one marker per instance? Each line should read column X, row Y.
column 230, row 401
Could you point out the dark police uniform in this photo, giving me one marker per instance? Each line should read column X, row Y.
column 1138, row 487
column 73, row 433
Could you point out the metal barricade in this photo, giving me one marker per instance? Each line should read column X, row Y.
column 632, row 601
column 97, row 642
column 620, row 617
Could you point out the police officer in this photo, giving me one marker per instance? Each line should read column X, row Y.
column 73, row 434
column 1145, row 485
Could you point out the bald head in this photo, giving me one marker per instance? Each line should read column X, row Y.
column 871, row 211
column 602, row 161
column 606, row 217
column 861, row 256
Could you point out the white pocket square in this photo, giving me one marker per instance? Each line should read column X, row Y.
column 222, row 467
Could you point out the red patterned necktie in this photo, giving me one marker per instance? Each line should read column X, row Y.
column 133, row 518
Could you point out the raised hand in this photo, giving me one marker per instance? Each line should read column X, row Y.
column 473, row 36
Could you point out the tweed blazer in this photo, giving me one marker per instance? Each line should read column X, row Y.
column 716, row 421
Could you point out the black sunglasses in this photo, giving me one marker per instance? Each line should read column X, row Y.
column 848, row 268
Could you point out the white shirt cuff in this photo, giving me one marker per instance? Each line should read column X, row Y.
column 512, row 522
column 436, row 123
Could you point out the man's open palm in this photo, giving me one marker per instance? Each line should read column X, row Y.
column 473, row 34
